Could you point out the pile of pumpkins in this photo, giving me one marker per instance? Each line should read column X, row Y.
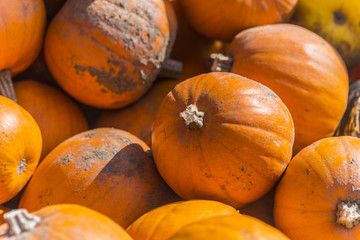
column 179, row 119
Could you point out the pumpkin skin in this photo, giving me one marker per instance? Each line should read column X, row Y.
column 163, row 222
column 104, row 169
column 220, row 21
column 232, row 227
column 21, row 33
column 324, row 174
column 20, row 148
column 56, row 114
column 69, row 221
column 106, row 54
column 302, row 69
column 144, row 109
column 243, row 122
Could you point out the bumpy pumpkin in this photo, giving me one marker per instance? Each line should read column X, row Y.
column 56, row 114
column 21, row 35
column 223, row 137
column 232, row 227
column 302, row 69
column 318, row 197
column 106, row 54
column 20, row 148
column 163, row 222
column 218, row 20
column 61, row 221
column 104, row 169
column 139, row 117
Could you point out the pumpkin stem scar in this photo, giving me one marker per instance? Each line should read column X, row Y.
column 19, row 221
column 348, row 214
column 220, row 62
column 6, row 85
column 193, row 117
column 22, row 166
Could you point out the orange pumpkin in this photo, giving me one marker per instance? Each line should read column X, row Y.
column 232, row 227
column 104, row 169
column 3, row 209
column 163, row 222
column 145, row 109
column 106, row 54
column 222, row 21
column 20, row 148
column 302, row 69
column 60, row 222
column 21, row 34
column 318, row 197
column 223, row 137
column 56, row 114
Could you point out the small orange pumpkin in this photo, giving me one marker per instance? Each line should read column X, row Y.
column 60, row 222
column 104, row 169
column 231, row 227
column 319, row 195
column 162, row 222
column 222, row 137
column 56, row 114
column 106, row 54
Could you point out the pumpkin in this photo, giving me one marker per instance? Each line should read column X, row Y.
column 104, row 169
column 232, row 227
column 56, row 114
column 22, row 29
column 223, row 137
column 220, row 21
column 20, row 148
column 302, row 69
column 145, row 109
column 106, row 54
column 3, row 210
column 325, row 204
column 61, row 221
column 164, row 221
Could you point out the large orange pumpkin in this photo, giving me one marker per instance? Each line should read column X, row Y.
column 223, row 137
column 221, row 20
column 104, row 169
column 302, row 69
column 231, row 227
column 60, row 222
column 318, row 197
column 162, row 222
column 21, row 35
column 20, row 148
column 106, row 54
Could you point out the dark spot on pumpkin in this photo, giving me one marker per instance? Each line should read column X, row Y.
column 339, row 17
column 307, row 171
column 343, row 47
column 352, row 161
column 223, row 187
column 67, row 159
column 5, row 134
column 243, row 169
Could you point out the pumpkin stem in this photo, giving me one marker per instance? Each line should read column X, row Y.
column 348, row 214
column 20, row 220
column 6, row 85
column 22, row 166
column 171, row 69
column 220, row 62
column 193, row 117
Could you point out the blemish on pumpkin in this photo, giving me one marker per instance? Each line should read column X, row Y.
column 307, row 171
column 67, row 159
column 339, row 17
column 5, row 134
column 22, row 166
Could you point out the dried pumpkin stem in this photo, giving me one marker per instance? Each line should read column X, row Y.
column 348, row 214
column 6, row 85
column 20, row 220
column 171, row 69
column 220, row 62
column 193, row 117
column 21, row 166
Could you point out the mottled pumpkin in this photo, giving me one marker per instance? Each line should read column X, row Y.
column 162, row 222
column 222, row 137
column 302, row 69
column 319, row 197
column 232, row 227
column 61, row 222
column 106, row 54
column 104, row 169
column 222, row 21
